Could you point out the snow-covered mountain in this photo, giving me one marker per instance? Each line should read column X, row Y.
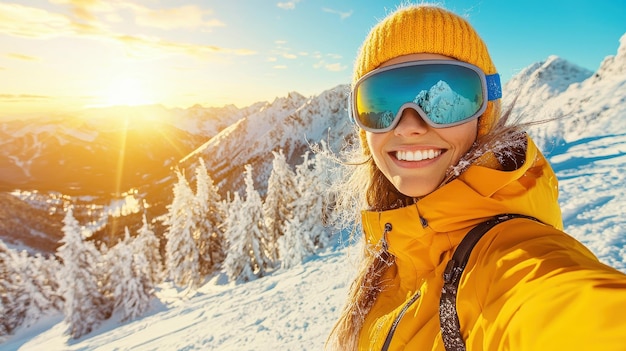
column 105, row 153
column 71, row 155
column 94, row 159
column 441, row 100
column 104, row 150
column 579, row 103
column 290, row 123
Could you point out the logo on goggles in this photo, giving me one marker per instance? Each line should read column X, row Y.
column 445, row 93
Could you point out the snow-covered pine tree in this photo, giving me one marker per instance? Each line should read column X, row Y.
column 281, row 194
column 85, row 306
column 182, row 257
column 328, row 169
column 107, row 279
column 307, row 208
column 138, row 300
column 247, row 256
column 294, row 246
column 253, row 207
column 130, row 295
column 40, row 286
column 209, row 214
column 147, row 244
column 13, row 298
column 237, row 262
column 324, row 171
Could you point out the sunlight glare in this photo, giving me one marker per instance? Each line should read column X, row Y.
column 127, row 92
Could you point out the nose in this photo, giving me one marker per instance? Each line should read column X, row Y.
column 410, row 123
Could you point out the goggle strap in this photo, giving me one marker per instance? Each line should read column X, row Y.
column 494, row 88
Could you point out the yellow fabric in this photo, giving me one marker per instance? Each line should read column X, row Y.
column 527, row 286
column 426, row 29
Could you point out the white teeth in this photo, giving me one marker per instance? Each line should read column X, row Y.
column 417, row 155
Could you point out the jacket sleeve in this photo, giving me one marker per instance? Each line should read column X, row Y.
column 532, row 287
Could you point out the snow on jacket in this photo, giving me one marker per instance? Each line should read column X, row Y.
column 527, row 285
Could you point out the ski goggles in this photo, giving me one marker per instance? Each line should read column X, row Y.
column 445, row 93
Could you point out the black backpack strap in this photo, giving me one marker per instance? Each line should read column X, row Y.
column 449, row 320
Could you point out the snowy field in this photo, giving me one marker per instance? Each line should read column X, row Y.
column 295, row 309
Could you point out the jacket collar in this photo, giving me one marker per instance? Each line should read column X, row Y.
column 437, row 222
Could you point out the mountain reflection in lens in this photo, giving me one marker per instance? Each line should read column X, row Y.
column 446, row 94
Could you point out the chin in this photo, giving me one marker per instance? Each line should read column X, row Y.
column 415, row 190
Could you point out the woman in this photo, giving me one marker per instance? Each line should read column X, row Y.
column 440, row 161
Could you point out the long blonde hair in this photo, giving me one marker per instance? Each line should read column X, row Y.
column 365, row 187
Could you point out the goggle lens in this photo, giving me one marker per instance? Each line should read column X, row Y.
column 446, row 93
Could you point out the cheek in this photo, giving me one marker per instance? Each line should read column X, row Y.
column 375, row 143
column 462, row 137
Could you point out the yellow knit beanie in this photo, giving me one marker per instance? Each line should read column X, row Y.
column 427, row 29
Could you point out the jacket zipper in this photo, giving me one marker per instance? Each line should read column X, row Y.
column 394, row 326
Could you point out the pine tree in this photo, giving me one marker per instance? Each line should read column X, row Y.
column 281, row 194
column 138, row 300
column 131, row 293
column 324, row 169
column 85, row 306
column 182, row 257
column 13, row 298
column 28, row 288
column 309, row 204
column 253, row 207
column 209, row 216
column 40, row 286
column 247, row 255
column 306, row 213
column 293, row 245
column 237, row 262
column 147, row 244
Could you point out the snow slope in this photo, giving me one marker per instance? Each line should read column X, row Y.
column 295, row 309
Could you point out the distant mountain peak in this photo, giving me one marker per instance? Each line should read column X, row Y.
column 443, row 100
column 579, row 103
column 614, row 65
column 542, row 81
column 555, row 73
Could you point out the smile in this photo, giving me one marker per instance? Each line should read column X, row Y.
column 418, row 155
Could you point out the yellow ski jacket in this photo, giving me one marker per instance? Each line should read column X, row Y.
column 527, row 286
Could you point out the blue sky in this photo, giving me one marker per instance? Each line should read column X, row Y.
column 67, row 54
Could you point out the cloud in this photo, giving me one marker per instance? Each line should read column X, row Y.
column 85, row 10
column 22, row 57
column 144, row 47
column 342, row 15
column 188, row 16
column 289, row 5
column 22, row 97
column 29, row 22
column 332, row 67
column 280, row 67
column 335, row 67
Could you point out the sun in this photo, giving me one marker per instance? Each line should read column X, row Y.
column 127, row 91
